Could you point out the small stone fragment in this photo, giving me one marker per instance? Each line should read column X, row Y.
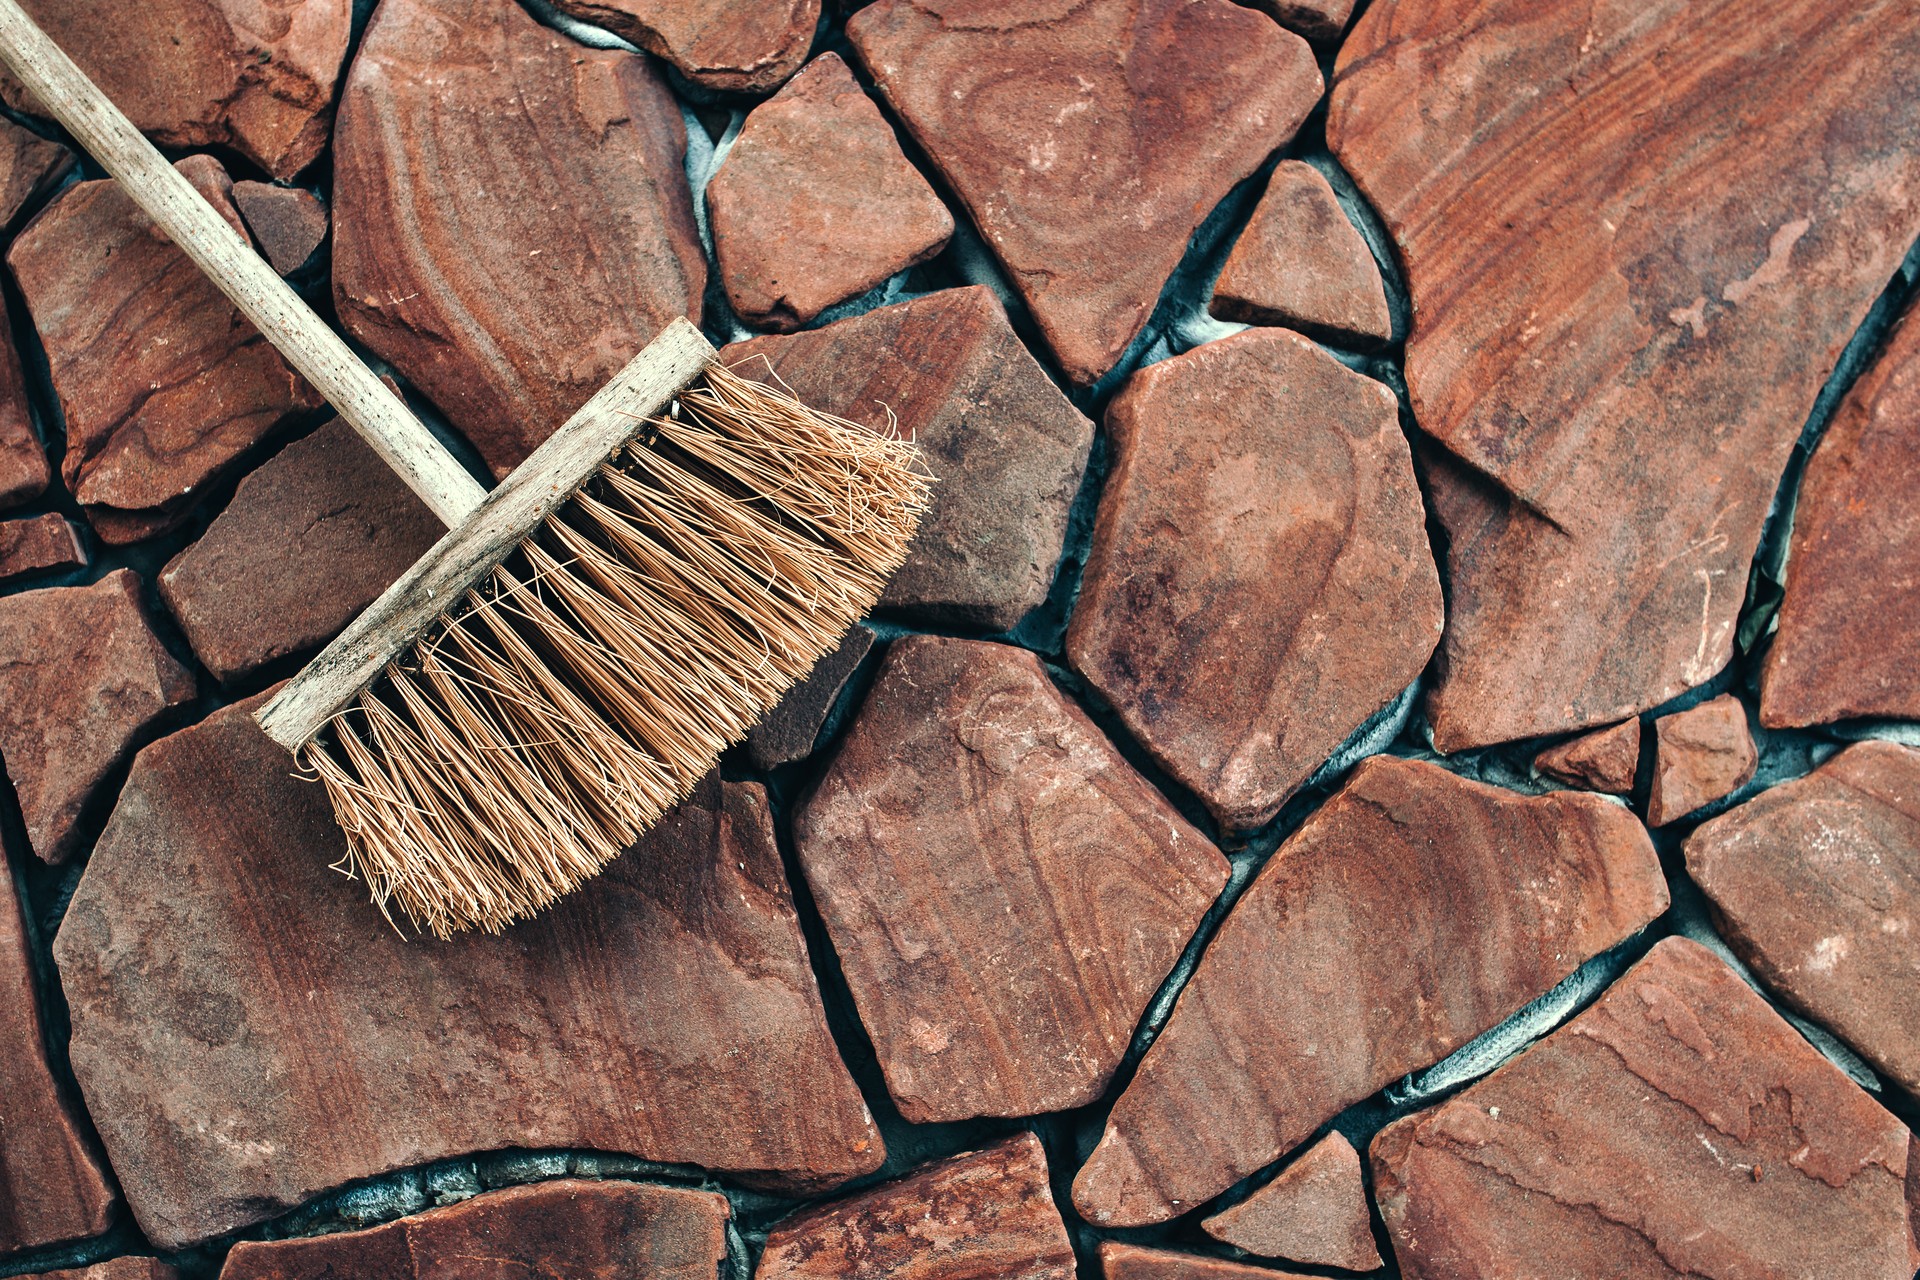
column 728, row 46
column 986, row 1213
column 163, row 382
column 310, row 538
column 1315, row 1212
column 511, row 216
column 1088, row 138
column 1314, row 19
column 37, row 544
column 1700, row 755
column 1678, row 1128
column 567, row 1227
column 1004, row 892
column 1301, row 264
column 29, row 166
column 1817, row 884
column 1007, row 448
column 815, row 204
column 1604, row 760
column 24, row 473
column 84, row 676
column 787, row 732
column 288, row 222
column 1260, row 581
column 1131, row 1262
column 117, row 1269
column 1412, row 912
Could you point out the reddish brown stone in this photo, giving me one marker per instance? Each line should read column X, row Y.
column 254, row 75
column 729, row 46
column 117, row 1269
column 83, row 677
column 568, row 1227
column 1301, row 264
column 1260, row 581
column 1700, row 755
column 986, row 1213
column 164, row 384
column 288, row 222
column 24, row 473
column 1637, row 237
column 1088, row 138
column 307, row 542
column 29, row 166
column 1679, row 1127
column 39, row 543
column 1131, row 1262
column 1314, row 1212
column 787, row 732
column 815, row 204
column 1411, row 913
column 1817, row 883
column 1007, row 448
column 1005, row 894
column 1845, row 646
column 1604, row 760
column 1314, row 19
column 511, row 218
column 267, row 1035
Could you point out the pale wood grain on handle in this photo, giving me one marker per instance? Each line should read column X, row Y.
column 301, row 336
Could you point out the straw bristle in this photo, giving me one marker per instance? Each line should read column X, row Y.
column 649, row 623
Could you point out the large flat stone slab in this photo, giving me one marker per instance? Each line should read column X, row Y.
column 726, row 46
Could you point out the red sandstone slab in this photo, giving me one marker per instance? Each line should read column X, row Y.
column 729, row 46
column 24, row 472
column 1132, row 1262
column 30, row 166
column 1301, row 264
column 1315, row 1212
column 37, row 544
column 1314, row 19
column 787, row 732
column 117, row 1269
column 1604, row 760
column 288, row 222
column 1700, row 755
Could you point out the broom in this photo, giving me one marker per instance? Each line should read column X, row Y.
column 579, row 648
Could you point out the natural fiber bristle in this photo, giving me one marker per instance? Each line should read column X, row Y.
column 554, row 714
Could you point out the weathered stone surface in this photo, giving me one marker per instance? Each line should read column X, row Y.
column 254, row 75
column 1007, row 448
column 1005, row 894
column 569, row 1227
column 1243, row 457
column 29, row 165
column 1700, row 755
column 288, row 222
column 1412, row 912
column 815, row 204
column 163, row 383
column 1314, row 19
column 36, row 544
column 1637, row 237
column 1131, row 1262
column 786, row 733
column 267, row 1035
column 1679, row 1127
column 1301, row 264
column 309, row 540
column 986, row 1213
column 83, row 677
column 1817, row 882
column 117, row 1269
column 1845, row 643
column 1314, row 1212
column 729, row 46
column 24, row 473
column 511, row 218
column 1604, row 760
column 1088, row 139
column 51, row 1186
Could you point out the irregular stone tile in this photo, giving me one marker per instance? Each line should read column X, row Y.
column 163, row 382
column 24, row 473
column 511, row 218
column 1008, row 450
column 1301, row 264
column 117, row 1269
column 254, row 75
column 568, row 1227
column 1131, row 1262
column 1088, row 138
column 1412, row 912
column 1679, row 1127
column 309, row 539
column 1253, row 452
column 1005, row 894
column 288, row 222
column 36, row 544
column 1635, row 253
column 84, row 676
column 1604, row 760
column 787, row 732
column 1853, row 564
column 1700, row 755
column 1314, row 19
column 985, row 1213
column 815, row 204
column 729, row 46
column 1817, row 885
column 1315, row 1212
column 29, row 166
column 267, row 1036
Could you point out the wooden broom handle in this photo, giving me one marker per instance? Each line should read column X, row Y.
column 320, row 355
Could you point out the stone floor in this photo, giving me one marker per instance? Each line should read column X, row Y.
column 1397, row 751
